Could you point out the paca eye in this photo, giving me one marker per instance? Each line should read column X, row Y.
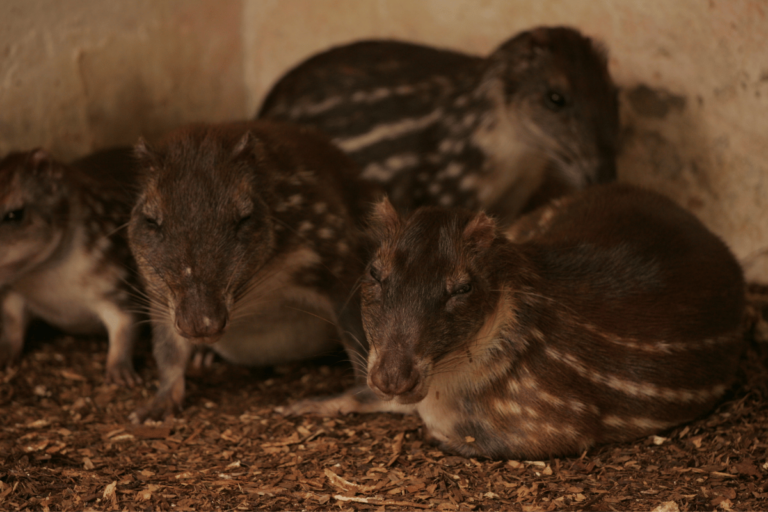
column 244, row 221
column 14, row 215
column 151, row 222
column 375, row 274
column 462, row 289
column 555, row 100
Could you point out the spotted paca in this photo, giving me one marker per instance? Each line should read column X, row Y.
column 606, row 316
column 535, row 119
column 64, row 257
column 248, row 239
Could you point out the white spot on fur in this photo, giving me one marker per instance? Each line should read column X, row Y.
column 305, row 227
column 188, row 271
column 389, row 131
column 320, row 208
column 325, row 233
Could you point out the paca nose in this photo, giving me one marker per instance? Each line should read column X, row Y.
column 200, row 321
column 395, row 379
column 200, row 326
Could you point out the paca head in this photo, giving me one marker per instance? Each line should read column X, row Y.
column 201, row 227
column 430, row 291
column 556, row 88
column 34, row 210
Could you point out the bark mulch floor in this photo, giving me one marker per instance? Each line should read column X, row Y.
column 65, row 445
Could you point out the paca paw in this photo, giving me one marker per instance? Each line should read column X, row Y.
column 160, row 408
column 122, row 374
column 201, row 360
column 9, row 355
column 359, row 399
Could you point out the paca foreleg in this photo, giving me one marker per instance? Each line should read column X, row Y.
column 172, row 353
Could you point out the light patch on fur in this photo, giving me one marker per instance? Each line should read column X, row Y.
column 388, row 131
column 69, row 292
column 640, row 422
column 278, row 320
column 512, row 169
column 637, row 389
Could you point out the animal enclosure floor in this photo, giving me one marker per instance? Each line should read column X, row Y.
column 65, row 445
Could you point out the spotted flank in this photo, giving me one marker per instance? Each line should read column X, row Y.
column 439, row 127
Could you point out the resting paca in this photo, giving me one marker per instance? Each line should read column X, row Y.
column 63, row 253
column 606, row 316
column 247, row 237
column 535, row 119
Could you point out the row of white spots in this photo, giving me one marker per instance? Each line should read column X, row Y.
column 305, row 109
column 388, row 131
column 637, row 389
column 385, row 171
column 294, row 201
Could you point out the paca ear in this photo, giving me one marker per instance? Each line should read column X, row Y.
column 145, row 154
column 480, row 231
column 247, row 146
column 42, row 163
column 384, row 220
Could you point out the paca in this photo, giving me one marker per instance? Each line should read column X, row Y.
column 248, row 238
column 535, row 119
column 606, row 316
column 64, row 257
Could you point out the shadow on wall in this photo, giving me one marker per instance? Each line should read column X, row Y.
column 663, row 149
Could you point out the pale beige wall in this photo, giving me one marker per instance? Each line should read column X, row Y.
column 82, row 74
column 77, row 75
column 693, row 73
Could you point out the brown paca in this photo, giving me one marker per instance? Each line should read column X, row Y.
column 606, row 316
column 63, row 253
column 247, row 238
column 536, row 118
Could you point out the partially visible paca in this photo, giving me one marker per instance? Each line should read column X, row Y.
column 535, row 119
column 607, row 316
column 248, row 237
column 63, row 253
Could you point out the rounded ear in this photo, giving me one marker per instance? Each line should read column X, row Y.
column 41, row 163
column 248, row 146
column 480, row 231
column 40, row 160
column 144, row 152
column 384, row 219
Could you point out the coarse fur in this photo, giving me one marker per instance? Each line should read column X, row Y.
column 64, row 257
column 535, row 119
column 606, row 316
column 247, row 236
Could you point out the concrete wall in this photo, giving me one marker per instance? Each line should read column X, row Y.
column 77, row 75
column 82, row 74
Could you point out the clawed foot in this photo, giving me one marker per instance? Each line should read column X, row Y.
column 358, row 399
column 122, row 374
column 201, row 360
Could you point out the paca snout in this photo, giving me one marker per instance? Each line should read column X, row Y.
column 201, row 318
column 397, row 374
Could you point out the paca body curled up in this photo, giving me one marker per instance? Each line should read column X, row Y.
column 64, row 256
column 607, row 316
column 536, row 118
column 246, row 236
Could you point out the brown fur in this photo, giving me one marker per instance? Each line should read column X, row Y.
column 63, row 253
column 246, row 236
column 618, row 316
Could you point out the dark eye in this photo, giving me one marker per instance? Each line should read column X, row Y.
column 14, row 216
column 151, row 223
column 375, row 274
column 243, row 221
column 462, row 290
column 555, row 101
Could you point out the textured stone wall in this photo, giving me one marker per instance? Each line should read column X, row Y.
column 78, row 75
column 83, row 74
